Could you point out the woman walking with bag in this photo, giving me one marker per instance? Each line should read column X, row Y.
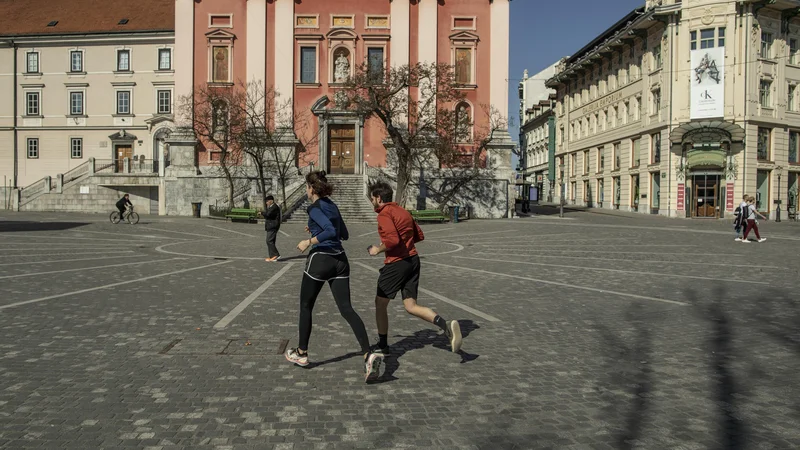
column 750, row 214
column 327, row 262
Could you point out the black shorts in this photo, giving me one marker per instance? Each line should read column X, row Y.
column 325, row 265
column 399, row 276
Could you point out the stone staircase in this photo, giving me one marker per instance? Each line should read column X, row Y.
column 348, row 194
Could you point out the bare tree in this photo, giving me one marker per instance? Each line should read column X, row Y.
column 419, row 108
column 269, row 138
column 218, row 121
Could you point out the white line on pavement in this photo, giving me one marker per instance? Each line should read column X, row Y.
column 367, row 234
column 78, row 253
column 121, row 283
column 590, row 245
column 246, row 302
column 555, row 283
column 231, row 231
column 28, row 274
column 177, row 232
column 50, row 261
column 62, row 238
column 147, row 236
column 283, row 233
column 478, row 234
column 603, row 269
column 443, row 298
column 636, row 261
column 510, row 250
column 45, row 247
column 436, row 230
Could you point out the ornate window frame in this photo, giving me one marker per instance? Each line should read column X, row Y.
column 307, row 40
column 472, row 28
column 339, row 38
column 315, row 26
column 367, row 17
column 466, row 40
column 352, row 18
column 220, row 38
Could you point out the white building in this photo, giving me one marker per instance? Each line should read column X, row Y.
column 680, row 108
column 94, row 80
column 537, row 102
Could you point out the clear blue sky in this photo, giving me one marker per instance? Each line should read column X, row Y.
column 543, row 31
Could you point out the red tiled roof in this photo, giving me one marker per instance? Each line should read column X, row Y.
column 30, row 17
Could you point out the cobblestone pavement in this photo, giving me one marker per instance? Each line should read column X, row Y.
column 588, row 332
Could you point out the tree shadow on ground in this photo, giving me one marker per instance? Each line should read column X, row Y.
column 16, row 226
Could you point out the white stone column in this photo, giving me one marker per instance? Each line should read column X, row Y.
column 400, row 42
column 256, row 40
column 183, row 54
column 284, row 48
column 428, row 35
column 501, row 147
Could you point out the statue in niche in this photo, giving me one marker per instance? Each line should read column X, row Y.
column 342, row 67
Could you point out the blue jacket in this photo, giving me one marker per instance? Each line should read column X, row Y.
column 326, row 224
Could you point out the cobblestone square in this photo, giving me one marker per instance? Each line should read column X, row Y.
column 595, row 331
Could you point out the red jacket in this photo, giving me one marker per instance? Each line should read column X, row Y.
column 398, row 231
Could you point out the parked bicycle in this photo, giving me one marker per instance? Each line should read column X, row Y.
column 130, row 216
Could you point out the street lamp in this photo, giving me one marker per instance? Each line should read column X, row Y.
column 779, row 169
column 563, row 187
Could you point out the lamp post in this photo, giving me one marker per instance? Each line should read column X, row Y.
column 779, row 169
column 561, row 168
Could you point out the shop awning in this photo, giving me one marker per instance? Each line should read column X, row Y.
column 707, row 132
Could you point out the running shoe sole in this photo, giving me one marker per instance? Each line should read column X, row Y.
column 372, row 367
column 288, row 358
column 455, row 336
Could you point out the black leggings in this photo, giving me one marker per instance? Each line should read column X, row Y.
column 335, row 269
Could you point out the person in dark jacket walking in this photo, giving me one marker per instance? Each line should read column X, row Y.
column 272, row 224
column 327, row 263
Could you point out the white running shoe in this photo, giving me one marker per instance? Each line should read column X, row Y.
column 293, row 355
column 455, row 335
column 745, row 241
column 372, row 367
column 738, row 239
column 762, row 239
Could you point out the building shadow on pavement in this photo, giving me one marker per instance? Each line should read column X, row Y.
column 17, row 226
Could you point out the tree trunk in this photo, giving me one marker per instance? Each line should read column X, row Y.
column 263, row 182
column 403, row 178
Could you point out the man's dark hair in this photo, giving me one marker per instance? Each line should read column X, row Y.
column 382, row 190
column 269, row 197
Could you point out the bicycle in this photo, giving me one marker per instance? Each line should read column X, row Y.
column 130, row 216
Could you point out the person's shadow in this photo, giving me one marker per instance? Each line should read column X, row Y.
column 416, row 341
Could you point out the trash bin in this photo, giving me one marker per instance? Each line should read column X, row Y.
column 455, row 214
column 196, row 209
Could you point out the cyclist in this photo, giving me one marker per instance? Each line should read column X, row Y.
column 122, row 204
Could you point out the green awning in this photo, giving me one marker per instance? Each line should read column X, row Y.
column 699, row 158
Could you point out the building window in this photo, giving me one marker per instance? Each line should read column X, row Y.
column 572, row 165
column 463, row 123
column 792, row 51
column 123, row 102
column 32, row 65
column 219, row 116
column 220, row 65
column 587, row 194
column 693, row 39
column 655, row 149
column 375, row 61
column 602, row 159
column 33, row 148
column 31, row 103
column 794, row 141
column 464, row 65
column 656, row 101
column 586, row 162
column 164, row 59
column 76, row 148
column 164, row 102
column 76, row 61
column 766, row 44
column 657, row 63
column 707, row 38
column 308, row 65
column 764, row 93
column 76, row 103
column 123, row 61
column 790, row 103
column 635, row 160
column 616, row 156
column 764, row 143
column 721, row 37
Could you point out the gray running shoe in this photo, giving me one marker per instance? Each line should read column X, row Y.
column 454, row 333
column 372, row 367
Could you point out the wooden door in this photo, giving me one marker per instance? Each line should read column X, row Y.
column 342, row 149
column 348, row 159
column 123, row 151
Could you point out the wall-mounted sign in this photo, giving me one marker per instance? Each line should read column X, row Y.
column 729, row 196
column 708, row 83
column 681, row 195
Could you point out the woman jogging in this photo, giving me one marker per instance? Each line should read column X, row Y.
column 327, row 262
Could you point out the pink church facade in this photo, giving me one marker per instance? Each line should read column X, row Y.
column 304, row 49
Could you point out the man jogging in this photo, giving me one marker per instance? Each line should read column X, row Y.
column 272, row 223
column 399, row 232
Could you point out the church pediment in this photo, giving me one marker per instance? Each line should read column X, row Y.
column 341, row 34
column 465, row 36
column 220, row 34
